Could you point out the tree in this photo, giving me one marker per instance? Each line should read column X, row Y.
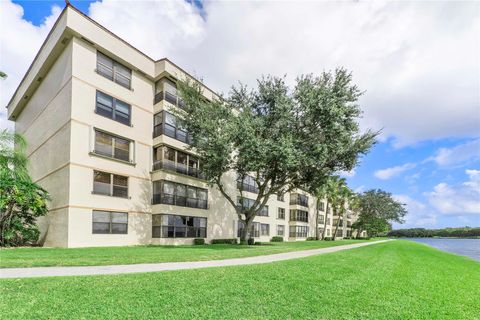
column 377, row 211
column 282, row 139
column 345, row 196
column 3, row 75
column 21, row 200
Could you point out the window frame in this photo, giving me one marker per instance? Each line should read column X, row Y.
column 111, row 223
column 114, row 139
column 114, row 108
column 111, row 185
column 198, row 229
column 114, row 72
column 177, row 200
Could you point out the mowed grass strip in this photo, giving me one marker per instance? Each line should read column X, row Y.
column 392, row 280
column 45, row 257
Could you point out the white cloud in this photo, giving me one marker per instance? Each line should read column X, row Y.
column 457, row 199
column 388, row 173
column 19, row 40
column 419, row 215
column 347, row 174
column 459, row 155
column 417, row 61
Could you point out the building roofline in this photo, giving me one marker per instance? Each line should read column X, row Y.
column 69, row 5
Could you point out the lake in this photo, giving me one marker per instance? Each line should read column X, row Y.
column 464, row 247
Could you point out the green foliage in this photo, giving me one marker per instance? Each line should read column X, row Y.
column 328, row 239
column 224, row 241
column 285, row 138
column 276, row 239
column 311, row 239
column 377, row 211
column 250, row 241
column 21, row 200
column 3, row 75
column 198, row 241
column 465, row 232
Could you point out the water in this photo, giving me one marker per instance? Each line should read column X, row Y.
column 464, row 247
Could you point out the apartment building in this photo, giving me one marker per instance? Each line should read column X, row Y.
column 102, row 139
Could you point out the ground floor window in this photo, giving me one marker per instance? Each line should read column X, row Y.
column 264, row 229
column 328, row 232
column 109, row 222
column 280, row 230
column 254, row 229
column 176, row 226
column 298, row 231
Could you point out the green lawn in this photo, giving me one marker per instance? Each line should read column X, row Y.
column 42, row 257
column 392, row 280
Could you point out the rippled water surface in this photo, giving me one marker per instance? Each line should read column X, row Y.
column 464, row 247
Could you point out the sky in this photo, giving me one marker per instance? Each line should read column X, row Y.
column 418, row 63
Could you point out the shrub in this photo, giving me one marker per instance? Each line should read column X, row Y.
column 276, row 239
column 224, row 241
column 328, row 239
column 257, row 243
column 251, row 241
column 198, row 241
column 311, row 238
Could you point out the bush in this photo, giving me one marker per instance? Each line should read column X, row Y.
column 198, row 241
column 276, row 239
column 328, row 239
column 224, row 241
column 311, row 238
column 257, row 243
column 251, row 241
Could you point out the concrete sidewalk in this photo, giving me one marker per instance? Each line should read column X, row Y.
column 167, row 266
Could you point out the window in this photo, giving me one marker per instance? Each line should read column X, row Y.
column 328, row 232
column 108, row 222
column 328, row 220
column 298, row 215
column 299, row 199
column 175, row 226
column 166, row 123
column 166, row 89
column 281, row 213
column 280, row 230
column 321, row 206
column 298, row 231
column 321, row 219
column 264, row 229
column 112, row 146
column 113, row 70
column 168, row 192
column 254, row 229
column 167, row 158
column 248, row 203
column 110, row 184
column 112, row 108
column 248, row 184
column 281, row 196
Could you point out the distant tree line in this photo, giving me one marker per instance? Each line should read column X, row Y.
column 465, row 232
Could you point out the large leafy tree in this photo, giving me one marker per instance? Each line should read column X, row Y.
column 378, row 210
column 21, row 200
column 281, row 138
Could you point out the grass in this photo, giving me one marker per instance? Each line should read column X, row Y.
column 392, row 280
column 43, row 257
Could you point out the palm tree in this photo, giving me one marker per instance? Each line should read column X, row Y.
column 330, row 191
column 345, row 194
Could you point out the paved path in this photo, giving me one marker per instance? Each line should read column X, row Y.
column 166, row 266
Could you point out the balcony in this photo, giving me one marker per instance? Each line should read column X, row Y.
column 172, row 132
column 181, row 201
column 169, row 97
column 247, row 187
column 179, row 168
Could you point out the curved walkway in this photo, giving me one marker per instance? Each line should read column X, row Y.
column 167, row 266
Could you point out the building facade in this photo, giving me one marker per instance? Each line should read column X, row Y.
column 102, row 139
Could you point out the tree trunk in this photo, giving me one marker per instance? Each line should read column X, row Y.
column 325, row 222
column 245, row 235
column 338, row 222
column 317, row 234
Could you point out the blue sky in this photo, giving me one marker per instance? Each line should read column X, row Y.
column 418, row 63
